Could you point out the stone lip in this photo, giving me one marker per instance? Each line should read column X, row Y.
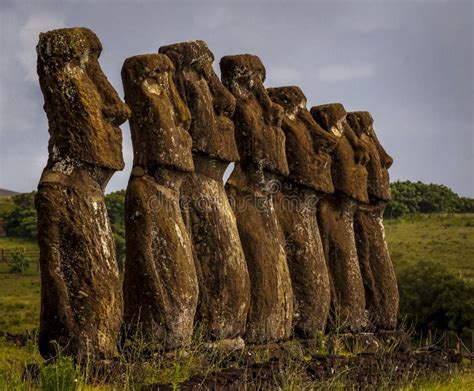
column 260, row 139
column 160, row 120
column 210, row 103
column 84, row 111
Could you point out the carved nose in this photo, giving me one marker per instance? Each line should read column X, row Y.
column 116, row 113
column 388, row 162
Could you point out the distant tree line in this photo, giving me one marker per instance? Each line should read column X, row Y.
column 409, row 198
column 21, row 220
column 115, row 206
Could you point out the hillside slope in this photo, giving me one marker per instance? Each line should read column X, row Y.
column 7, row 193
column 447, row 239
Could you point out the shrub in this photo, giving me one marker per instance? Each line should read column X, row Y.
column 433, row 298
column 21, row 219
column 19, row 263
column 60, row 375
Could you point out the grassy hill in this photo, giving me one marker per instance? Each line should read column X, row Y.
column 447, row 239
column 7, row 193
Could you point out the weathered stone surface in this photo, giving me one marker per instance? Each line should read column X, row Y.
column 81, row 299
column 224, row 287
column 336, row 218
column 349, row 174
column 381, row 291
column 160, row 282
column 159, row 117
column 257, row 120
column 83, row 109
column 271, row 305
column 261, row 144
column 308, row 149
column 210, row 103
column 378, row 181
column 296, row 211
column 379, row 278
column 308, row 146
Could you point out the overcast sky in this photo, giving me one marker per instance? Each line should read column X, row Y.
column 410, row 63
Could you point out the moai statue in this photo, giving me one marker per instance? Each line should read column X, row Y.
column 381, row 292
column 336, row 218
column 251, row 187
column 308, row 149
column 81, row 296
column 160, row 282
column 224, row 287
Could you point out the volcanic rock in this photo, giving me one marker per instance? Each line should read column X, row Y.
column 160, row 282
column 210, row 103
column 308, row 149
column 81, row 299
column 381, row 291
column 336, row 217
column 251, row 187
column 224, row 287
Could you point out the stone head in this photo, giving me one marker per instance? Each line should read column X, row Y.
column 348, row 171
column 308, row 146
column 257, row 119
column 160, row 120
column 84, row 111
column 378, row 181
column 210, row 103
column 331, row 117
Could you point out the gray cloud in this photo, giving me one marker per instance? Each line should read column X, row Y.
column 408, row 62
column 341, row 72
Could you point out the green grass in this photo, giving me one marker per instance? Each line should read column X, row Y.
column 19, row 293
column 10, row 243
column 460, row 381
column 447, row 239
column 19, row 302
